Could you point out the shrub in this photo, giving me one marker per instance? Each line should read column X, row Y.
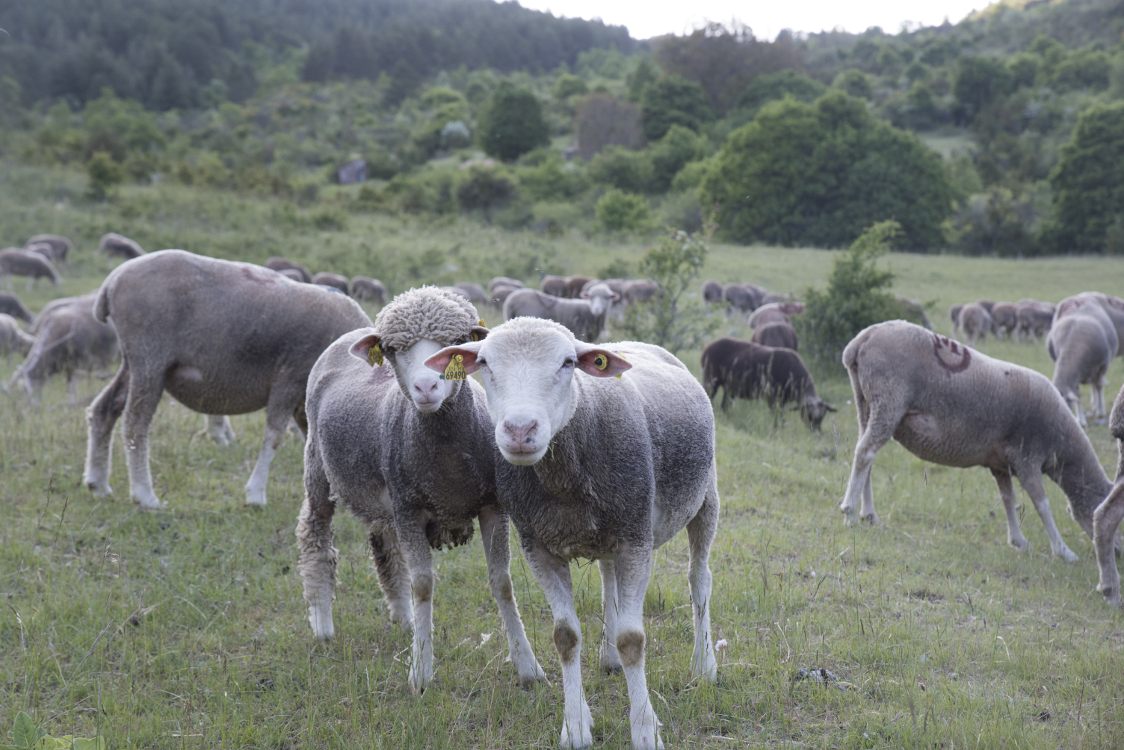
column 626, row 212
column 630, row 171
column 673, row 100
column 104, row 174
column 568, row 85
column 512, row 124
column 994, row 223
column 485, row 189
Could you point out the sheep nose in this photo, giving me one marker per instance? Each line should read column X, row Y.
column 426, row 388
column 521, row 434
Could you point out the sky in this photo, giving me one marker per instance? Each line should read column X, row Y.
column 648, row 18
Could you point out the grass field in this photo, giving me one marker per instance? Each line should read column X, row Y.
column 185, row 627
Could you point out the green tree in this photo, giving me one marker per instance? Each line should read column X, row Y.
column 773, row 86
column 624, row 212
column 854, row 82
column 673, row 100
column 104, row 174
column 818, row 174
column 639, row 79
column 512, row 124
column 979, row 82
column 1088, row 183
column 568, row 85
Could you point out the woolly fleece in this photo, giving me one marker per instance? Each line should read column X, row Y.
column 426, row 313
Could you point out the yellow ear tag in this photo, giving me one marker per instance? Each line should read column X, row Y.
column 622, row 357
column 474, row 336
column 374, row 356
column 455, row 369
column 600, row 361
column 482, row 324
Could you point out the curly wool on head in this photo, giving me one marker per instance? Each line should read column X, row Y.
column 426, row 313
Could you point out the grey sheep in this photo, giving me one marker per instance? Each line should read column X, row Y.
column 12, row 338
column 280, row 264
column 776, row 333
column 17, row 262
column 773, row 311
column 10, row 305
column 366, row 289
column 555, row 286
column 915, row 309
column 501, row 292
column 954, row 315
column 600, row 468
column 333, row 280
column 292, row 273
column 745, row 298
column 1034, row 318
column 410, row 455
column 711, row 292
column 585, row 318
column 503, row 281
column 221, row 338
column 953, row 406
column 975, row 322
column 475, row 293
column 60, row 246
column 1108, row 515
column 1004, row 320
column 119, row 245
column 1082, row 345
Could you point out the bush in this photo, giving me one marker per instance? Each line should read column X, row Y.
column 673, row 100
column 630, row 171
column 603, row 120
column 568, row 85
column 485, row 189
column 104, row 174
column 854, row 83
column 512, row 124
column 773, row 86
column 626, row 212
column 994, row 223
column 857, row 296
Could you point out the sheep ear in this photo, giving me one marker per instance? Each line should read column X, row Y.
column 600, row 363
column 616, row 296
column 478, row 333
column 368, row 350
column 449, row 368
column 829, row 407
column 585, row 295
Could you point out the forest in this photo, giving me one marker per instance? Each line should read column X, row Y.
column 996, row 135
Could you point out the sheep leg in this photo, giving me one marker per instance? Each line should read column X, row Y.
column 1031, row 481
column 318, row 558
column 1106, row 522
column 700, row 535
column 553, row 574
column 610, row 607
column 276, row 420
column 140, row 407
column 72, row 388
column 1015, row 536
column 634, row 568
column 101, row 416
column 419, row 563
column 878, row 432
column 497, row 552
column 390, row 568
column 219, row 429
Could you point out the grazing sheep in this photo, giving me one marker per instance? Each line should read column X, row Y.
column 774, row 311
column 954, row 314
column 16, row 262
column 12, row 338
column 772, row 297
column 914, row 309
column 501, row 292
column 280, row 264
column 1082, row 347
column 292, row 273
column 744, row 369
column 503, row 281
column 1113, row 307
column 575, row 285
column 986, row 304
column 600, row 468
column 366, row 289
column 1034, row 318
column 1004, row 319
column 745, row 298
column 410, row 454
column 639, row 291
column 10, row 305
column 584, row 317
column 777, row 333
column 334, row 280
column 954, row 406
column 221, row 338
column 475, row 292
column 975, row 321
column 711, row 292
column 119, row 245
column 1108, row 515
column 42, row 249
column 60, row 246
column 617, row 285
column 69, row 339
column 555, row 286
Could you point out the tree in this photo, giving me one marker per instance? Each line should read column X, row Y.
column 773, row 86
column 512, row 124
column 104, row 174
column 1088, row 183
column 623, row 212
column 568, row 85
column 854, row 82
column 673, row 100
column 818, row 174
column 980, row 81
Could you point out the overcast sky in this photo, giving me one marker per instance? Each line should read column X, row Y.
column 645, row 18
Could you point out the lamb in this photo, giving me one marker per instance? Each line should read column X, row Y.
column 410, row 455
column 10, row 305
column 778, row 333
column 1107, row 516
column 774, row 311
column 334, row 280
column 954, row 314
column 555, row 286
column 1082, row 345
column 711, row 292
column 1004, row 319
column 119, row 245
column 366, row 289
column 584, row 317
column 12, row 338
column 221, row 338
column 17, row 262
column 1034, row 318
column 60, row 246
column 744, row 369
column 975, row 321
column 954, row 406
column 68, row 340
column 503, row 281
column 280, row 264
column 600, row 468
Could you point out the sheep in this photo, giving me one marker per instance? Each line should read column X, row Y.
column 986, row 304
column 17, row 262
column 744, row 298
column 975, row 321
column 584, row 317
column 1004, row 319
column 119, row 245
column 773, row 297
column 954, row 314
column 12, row 338
column 501, row 292
column 366, row 289
column 292, row 273
column 334, row 280
column 42, row 249
column 778, row 333
column 555, row 286
column 575, row 285
column 1113, row 307
column 953, row 406
column 475, row 292
column 1107, row 516
column 222, row 338
column 410, row 455
column 639, row 291
column 711, row 292
column 68, row 339
column 617, row 285
column 503, row 281
column 744, row 369
column 1082, row 345
column 60, row 246
column 10, row 305
column 1034, row 318
column 280, row 264
column 774, row 311
column 600, row 468
column 913, row 308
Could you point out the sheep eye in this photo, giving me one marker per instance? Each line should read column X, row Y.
column 568, row 363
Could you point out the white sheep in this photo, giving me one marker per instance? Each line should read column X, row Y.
column 954, row 406
column 1107, row 517
column 585, row 317
column 600, row 468
column 975, row 322
column 1082, row 345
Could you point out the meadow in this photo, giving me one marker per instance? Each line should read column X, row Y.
column 185, row 627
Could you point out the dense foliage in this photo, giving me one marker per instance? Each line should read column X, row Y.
column 512, row 124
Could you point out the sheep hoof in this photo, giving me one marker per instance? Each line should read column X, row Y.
column 1068, row 555
column 872, row 519
column 1019, row 543
column 256, row 499
column 99, row 489
column 608, row 668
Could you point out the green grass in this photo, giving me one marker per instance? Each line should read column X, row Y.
column 185, row 627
